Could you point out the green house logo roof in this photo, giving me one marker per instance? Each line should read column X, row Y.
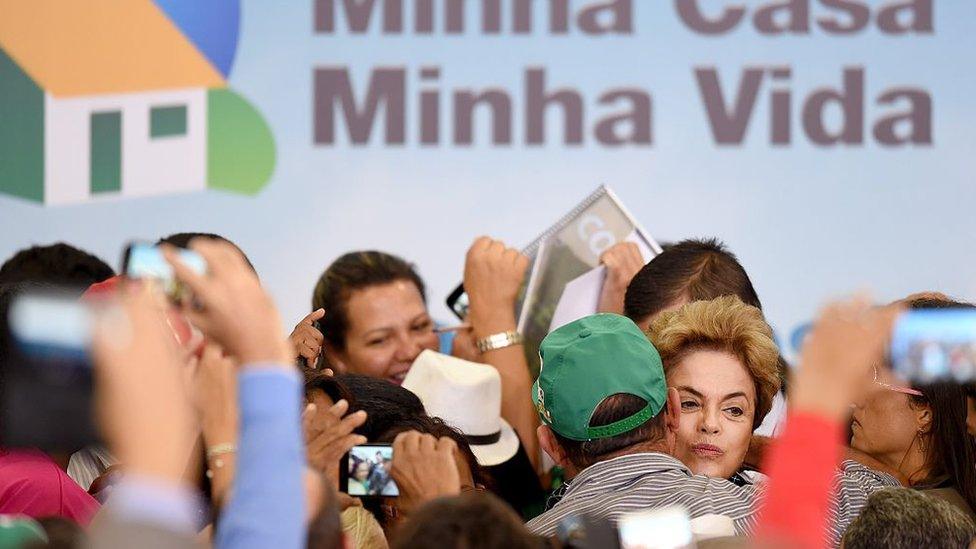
column 125, row 98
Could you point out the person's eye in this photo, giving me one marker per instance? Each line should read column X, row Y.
column 735, row 411
column 376, row 342
column 689, row 405
column 424, row 326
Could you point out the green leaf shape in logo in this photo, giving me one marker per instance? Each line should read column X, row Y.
column 240, row 147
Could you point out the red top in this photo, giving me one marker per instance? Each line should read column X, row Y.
column 32, row 484
column 801, row 465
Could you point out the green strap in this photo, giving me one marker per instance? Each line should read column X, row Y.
column 622, row 426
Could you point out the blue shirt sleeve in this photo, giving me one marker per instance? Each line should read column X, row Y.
column 267, row 503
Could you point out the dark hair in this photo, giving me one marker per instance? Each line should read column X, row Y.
column 8, row 293
column 385, row 404
column 473, row 520
column 696, row 270
column 351, row 272
column 431, row 426
column 614, row 408
column 182, row 240
column 325, row 528
column 435, row 426
column 693, row 270
column 332, row 387
column 952, row 451
column 905, row 519
column 59, row 263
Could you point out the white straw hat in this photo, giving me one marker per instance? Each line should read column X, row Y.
column 468, row 397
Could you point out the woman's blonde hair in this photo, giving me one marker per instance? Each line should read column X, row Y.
column 722, row 324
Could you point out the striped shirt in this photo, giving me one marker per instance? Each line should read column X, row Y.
column 638, row 482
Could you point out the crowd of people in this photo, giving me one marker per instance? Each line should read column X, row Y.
column 373, row 425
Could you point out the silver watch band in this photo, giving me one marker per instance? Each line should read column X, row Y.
column 500, row 340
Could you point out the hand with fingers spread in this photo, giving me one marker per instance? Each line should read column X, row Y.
column 623, row 260
column 229, row 305
column 307, row 339
column 493, row 276
column 424, row 468
column 329, row 435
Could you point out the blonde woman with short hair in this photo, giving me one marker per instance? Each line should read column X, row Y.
column 721, row 357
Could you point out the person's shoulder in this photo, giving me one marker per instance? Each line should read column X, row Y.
column 853, row 472
column 29, row 466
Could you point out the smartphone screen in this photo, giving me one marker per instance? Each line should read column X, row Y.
column 935, row 345
column 665, row 528
column 458, row 302
column 47, row 372
column 367, row 471
column 146, row 261
column 51, row 326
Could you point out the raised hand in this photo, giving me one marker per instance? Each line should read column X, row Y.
column 329, row 435
column 229, row 305
column 623, row 260
column 307, row 339
column 424, row 468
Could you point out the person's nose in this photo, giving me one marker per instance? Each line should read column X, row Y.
column 709, row 422
column 407, row 348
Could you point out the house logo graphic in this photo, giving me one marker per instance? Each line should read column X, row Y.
column 109, row 98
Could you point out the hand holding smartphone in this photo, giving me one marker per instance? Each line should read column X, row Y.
column 935, row 345
column 365, row 471
column 143, row 261
column 47, row 371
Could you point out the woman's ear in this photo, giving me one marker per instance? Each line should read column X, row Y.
column 923, row 418
column 333, row 360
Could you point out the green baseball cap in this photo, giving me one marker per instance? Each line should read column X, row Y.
column 588, row 360
column 18, row 530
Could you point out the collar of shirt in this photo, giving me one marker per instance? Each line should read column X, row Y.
column 621, row 470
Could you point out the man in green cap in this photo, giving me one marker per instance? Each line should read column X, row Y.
column 609, row 420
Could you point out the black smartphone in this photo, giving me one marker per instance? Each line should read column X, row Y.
column 47, row 371
column 365, row 471
column 145, row 261
column 458, row 303
column 935, row 345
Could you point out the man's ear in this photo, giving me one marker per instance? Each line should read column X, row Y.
column 551, row 446
column 673, row 410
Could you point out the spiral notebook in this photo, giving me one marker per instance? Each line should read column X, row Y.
column 567, row 252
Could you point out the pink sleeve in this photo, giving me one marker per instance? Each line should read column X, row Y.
column 801, row 465
column 76, row 504
column 32, row 484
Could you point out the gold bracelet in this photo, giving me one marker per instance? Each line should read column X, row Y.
column 221, row 449
column 214, row 454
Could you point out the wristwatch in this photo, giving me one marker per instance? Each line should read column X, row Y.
column 500, row 340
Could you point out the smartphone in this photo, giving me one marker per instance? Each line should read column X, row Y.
column 664, row 528
column 935, row 345
column 458, row 303
column 47, row 372
column 365, row 472
column 145, row 261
